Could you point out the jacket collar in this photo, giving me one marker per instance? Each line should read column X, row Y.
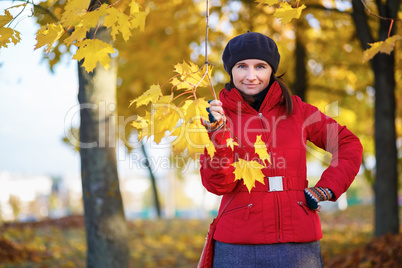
column 232, row 99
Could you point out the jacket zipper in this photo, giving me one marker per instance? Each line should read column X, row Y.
column 302, row 205
column 247, row 213
column 305, row 207
column 279, row 216
column 267, row 138
column 276, row 195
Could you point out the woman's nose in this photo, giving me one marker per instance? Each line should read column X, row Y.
column 250, row 74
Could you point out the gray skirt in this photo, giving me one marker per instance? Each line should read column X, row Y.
column 292, row 255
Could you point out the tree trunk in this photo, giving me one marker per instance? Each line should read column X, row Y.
column 300, row 85
column 105, row 223
column 153, row 181
column 386, row 182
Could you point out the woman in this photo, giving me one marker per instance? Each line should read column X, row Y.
column 276, row 223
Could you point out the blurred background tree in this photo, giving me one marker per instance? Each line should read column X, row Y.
column 321, row 57
column 383, row 67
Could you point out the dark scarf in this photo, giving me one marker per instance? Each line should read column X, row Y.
column 256, row 100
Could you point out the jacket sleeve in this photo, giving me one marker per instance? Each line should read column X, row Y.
column 217, row 172
column 344, row 146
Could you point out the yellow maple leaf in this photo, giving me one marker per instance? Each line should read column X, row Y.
column 48, row 36
column 94, row 51
column 286, row 13
column 138, row 21
column 151, row 95
column 386, row 46
column 118, row 22
column 261, row 149
column 249, row 171
column 165, row 99
column 137, row 17
column 6, row 18
column 134, row 7
column 191, row 75
column 181, row 84
column 268, row 2
column 179, row 144
column 73, row 11
column 8, row 35
column 142, row 125
column 186, row 104
column 164, row 119
column 195, row 110
column 197, row 139
column 79, row 34
column 231, row 143
column 211, row 149
column 91, row 19
column 192, row 137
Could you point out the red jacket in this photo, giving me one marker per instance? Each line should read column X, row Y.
column 261, row 216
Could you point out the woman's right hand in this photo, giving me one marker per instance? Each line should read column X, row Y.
column 215, row 111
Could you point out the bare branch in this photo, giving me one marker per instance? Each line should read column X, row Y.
column 43, row 9
column 46, row 11
column 375, row 15
column 206, row 50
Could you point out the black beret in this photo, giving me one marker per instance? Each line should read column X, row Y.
column 250, row 45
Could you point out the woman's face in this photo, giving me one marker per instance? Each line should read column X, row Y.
column 251, row 76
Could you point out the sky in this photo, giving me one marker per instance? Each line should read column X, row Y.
column 33, row 106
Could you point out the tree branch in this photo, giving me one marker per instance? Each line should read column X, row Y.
column 45, row 10
column 362, row 27
column 206, row 50
column 379, row 4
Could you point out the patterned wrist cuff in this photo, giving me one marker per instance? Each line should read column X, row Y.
column 319, row 193
column 210, row 127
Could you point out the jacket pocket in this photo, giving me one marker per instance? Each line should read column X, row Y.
column 306, row 208
column 245, row 208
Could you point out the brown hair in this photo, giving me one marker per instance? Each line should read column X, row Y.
column 286, row 93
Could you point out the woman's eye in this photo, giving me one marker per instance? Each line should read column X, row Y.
column 260, row 67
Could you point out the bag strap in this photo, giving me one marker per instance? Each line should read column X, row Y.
column 235, row 191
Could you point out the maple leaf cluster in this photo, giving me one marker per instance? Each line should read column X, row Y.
column 286, row 13
column 121, row 17
column 182, row 122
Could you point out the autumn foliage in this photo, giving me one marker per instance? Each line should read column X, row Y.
column 73, row 23
column 384, row 251
column 347, row 242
